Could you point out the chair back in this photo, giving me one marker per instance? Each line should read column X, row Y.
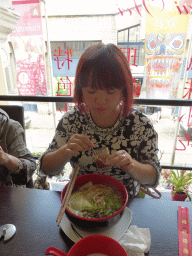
column 15, row 112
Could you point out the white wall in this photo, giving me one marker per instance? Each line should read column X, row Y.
column 82, row 28
column 82, row 7
column 126, row 20
column 6, row 3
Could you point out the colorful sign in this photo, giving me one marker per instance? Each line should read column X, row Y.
column 164, row 48
column 28, row 44
column 63, row 86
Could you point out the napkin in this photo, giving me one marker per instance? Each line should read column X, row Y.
column 136, row 241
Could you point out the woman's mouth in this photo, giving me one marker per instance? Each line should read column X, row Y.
column 101, row 109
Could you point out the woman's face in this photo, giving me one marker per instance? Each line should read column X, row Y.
column 102, row 102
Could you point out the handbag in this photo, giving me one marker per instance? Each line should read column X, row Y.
column 149, row 194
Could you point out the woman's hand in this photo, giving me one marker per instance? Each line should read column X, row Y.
column 121, row 159
column 3, row 157
column 143, row 173
column 53, row 162
column 9, row 161
column 78, row 143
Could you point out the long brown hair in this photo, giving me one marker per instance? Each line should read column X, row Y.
column 104, row 67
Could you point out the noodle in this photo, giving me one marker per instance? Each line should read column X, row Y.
column 95, row 201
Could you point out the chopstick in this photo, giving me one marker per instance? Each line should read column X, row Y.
column 184, row 233
column 67, row 194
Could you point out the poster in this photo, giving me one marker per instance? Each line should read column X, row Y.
column 28, row 43
column 164, row 47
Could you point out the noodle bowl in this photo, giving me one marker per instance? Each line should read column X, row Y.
column 95, row 222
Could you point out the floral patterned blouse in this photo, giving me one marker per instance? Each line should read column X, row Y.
column 134, row 134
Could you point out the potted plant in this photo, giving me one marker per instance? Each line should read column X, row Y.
column 180, row 181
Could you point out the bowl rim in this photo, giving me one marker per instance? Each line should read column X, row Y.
column 98, row 237
column 104, row 218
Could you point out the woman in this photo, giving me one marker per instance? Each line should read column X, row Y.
column 104, row 117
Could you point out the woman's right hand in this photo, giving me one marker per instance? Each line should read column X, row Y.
column 78, row 143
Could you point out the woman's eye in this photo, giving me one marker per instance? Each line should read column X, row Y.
column 111, row 92
column 90, row 92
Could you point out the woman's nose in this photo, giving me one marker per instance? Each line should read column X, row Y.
column 100, row 97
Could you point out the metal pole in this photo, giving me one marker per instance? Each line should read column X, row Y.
column 180, row 108
column 50, row 72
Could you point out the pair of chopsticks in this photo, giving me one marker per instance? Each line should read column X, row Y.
column 67, row 194
column 184, row 233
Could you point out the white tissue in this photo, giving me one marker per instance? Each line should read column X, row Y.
column 136, row 241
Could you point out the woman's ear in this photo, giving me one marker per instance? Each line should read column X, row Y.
column 122, row 97
column 85, row 108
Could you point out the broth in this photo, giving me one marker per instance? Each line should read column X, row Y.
column 95, row 201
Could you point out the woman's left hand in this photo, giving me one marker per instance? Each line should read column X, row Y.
column 3, row 157
column 121, row 159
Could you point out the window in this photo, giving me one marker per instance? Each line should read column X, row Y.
column 129, row 42
column 131, row 34
column 134, row 34
column 77, row 47
column 123, row 36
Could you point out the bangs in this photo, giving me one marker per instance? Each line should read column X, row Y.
column 103, row 74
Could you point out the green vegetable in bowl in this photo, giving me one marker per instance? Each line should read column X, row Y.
column 78, row 202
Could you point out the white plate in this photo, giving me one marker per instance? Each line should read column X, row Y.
column 115, row 232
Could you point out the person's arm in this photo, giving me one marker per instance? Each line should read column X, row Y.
column 143, row 173
column 9, row 161
column 53, row 162
column 16, row 150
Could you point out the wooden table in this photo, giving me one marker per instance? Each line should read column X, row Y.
column 34, row 214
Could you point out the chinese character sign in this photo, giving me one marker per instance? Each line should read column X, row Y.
column 164, row 47
column 63, row 56
column 63, row 86
column 28, row 44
